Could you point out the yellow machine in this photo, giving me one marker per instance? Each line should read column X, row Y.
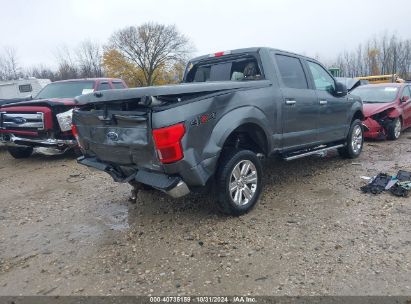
column 382, row 78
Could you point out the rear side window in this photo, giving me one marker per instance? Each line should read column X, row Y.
column 104, row 86
column 236, row 69
column 118, row 85
column 291, row 72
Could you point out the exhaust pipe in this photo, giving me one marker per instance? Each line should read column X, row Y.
column 180, row 190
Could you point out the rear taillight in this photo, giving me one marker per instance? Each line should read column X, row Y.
column 75, row 134
column 168, row 143
column 74, row 130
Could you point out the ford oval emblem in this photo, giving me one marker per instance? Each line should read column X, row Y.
column 112, row 136
column 19, row 120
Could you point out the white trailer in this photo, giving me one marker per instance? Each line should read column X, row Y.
column 22, row 88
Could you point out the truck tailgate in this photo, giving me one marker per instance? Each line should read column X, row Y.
column 119, row 137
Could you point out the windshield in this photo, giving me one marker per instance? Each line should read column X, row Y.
column 378, row 94
column 235, row 69
column 69, row 89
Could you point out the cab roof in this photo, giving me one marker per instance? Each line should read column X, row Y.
column 251, row 50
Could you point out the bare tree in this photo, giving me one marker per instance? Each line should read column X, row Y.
column 89, row 59
column 66, row 65
column 9, row 68
column 384, row 55
column 151, row 47
column 41, row 72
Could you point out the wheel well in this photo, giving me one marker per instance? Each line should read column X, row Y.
column 358, row 115
column 248, row 136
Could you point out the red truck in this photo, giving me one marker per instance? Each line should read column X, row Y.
column 45, row 122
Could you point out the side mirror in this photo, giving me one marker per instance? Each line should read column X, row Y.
column 405, row 98
column 340, row 89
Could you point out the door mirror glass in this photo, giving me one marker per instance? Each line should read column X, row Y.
column 405, row 98
column 340, row 89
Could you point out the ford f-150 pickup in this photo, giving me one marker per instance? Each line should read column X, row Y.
column 45, row 122
column 232, row 109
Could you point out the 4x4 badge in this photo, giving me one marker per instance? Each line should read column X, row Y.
column 202, row 119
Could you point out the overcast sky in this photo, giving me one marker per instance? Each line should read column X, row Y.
column 35, row 28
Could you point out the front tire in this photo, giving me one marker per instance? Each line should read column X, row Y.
column 394, row 129
column 238, row 181
column 20, row 152
column 355, row 141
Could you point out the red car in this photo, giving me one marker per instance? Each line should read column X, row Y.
column 44, row 123
column 387, row 109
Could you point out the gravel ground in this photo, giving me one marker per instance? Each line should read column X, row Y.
column 68, row 230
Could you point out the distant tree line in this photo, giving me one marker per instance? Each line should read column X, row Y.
column 144, row 55
column 152, row 54
column 386, row 54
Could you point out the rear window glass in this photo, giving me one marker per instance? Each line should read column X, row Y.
column 25, row 88
column 239, row 69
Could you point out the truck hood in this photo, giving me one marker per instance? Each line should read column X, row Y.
column 374, row 108
column 43, row 102
column 168, row 90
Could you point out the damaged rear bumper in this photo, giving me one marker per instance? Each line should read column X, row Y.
column 172, row 185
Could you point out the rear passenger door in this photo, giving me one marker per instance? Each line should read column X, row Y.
column 299, row 108
column 333, row 120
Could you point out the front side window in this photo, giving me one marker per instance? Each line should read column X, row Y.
column 66, row 89
column 291, row 72
column 104, row 86
column 118, row 85
column 322, row 80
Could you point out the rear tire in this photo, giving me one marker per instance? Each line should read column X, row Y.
column 394, row 129
column 355, row 141
column 20, row 152
column 238, row 181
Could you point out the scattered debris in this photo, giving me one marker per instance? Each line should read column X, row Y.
column 399, row 185
column 401, row 189
column 378, row 184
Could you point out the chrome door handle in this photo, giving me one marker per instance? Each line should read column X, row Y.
column 323, row 102
column 290, row 102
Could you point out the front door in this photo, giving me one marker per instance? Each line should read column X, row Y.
column 333, row 121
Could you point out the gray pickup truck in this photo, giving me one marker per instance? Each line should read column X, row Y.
column 232, row 109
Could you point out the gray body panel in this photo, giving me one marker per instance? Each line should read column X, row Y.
column 259, row 103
